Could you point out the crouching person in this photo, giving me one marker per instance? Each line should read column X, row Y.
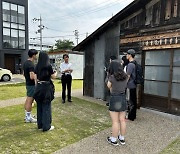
column 44, row 92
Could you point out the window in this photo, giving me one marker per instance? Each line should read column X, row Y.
column 14, row 38
column 6, row 38
column 176, row 75
column 13, row 26
column 22, row 39
column 157, row 69
column 157, row 73
column 21, row 15
column 6, row 11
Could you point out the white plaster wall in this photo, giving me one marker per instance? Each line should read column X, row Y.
column 77, row 65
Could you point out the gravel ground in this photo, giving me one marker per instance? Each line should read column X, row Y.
column 150, row 133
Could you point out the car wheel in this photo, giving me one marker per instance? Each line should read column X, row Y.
column 6, row 77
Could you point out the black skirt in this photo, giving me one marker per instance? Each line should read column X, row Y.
column 117, row 103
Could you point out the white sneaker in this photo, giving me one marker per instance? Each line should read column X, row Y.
column 52, row 127
column 33, row 116
column 31, row 120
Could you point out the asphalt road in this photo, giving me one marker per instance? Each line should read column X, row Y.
column 17, row 78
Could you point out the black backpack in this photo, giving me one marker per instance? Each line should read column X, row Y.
column 139, row 73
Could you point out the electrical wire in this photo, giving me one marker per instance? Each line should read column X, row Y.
column 87, row 12
column 80, row 11
column 57, row 36
column 58, row 30
column 92, row 9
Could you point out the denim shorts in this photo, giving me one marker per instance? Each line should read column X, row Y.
column 117, row 103
column 30, row 90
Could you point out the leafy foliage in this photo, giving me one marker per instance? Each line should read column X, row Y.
column 64, row 44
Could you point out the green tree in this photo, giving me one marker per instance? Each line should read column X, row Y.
column 64, row 44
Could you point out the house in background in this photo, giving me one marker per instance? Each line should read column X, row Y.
column 37, row 46
column 151, row 27
column 13, row 34
column 76, row 58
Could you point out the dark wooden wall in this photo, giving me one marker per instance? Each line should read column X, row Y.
column 156, row 26
column 111, row 48
column 89, row 70
column 155, row 17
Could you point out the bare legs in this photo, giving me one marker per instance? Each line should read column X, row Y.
column 28, row 104
column 118, row 123
column 28, row 108
column 122, row 123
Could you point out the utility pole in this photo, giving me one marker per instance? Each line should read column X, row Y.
column 40, row 32
column 41, row 27
column 76, row 33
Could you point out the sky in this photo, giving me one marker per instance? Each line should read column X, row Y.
column 61, row 18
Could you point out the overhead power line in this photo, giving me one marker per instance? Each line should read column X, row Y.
column 88, row 11
column 58, row 30
column 96, row 9
column 57, row 36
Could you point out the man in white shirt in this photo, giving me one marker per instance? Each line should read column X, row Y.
column 66, row 78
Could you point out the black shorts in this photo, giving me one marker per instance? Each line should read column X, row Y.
column 117, row 103
column 30, row 90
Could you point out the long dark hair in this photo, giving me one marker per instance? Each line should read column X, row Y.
column 116, row 69
column 42, row 65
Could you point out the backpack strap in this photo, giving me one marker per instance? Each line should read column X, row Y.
column 133, row 62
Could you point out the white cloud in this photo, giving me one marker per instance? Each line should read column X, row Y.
column 65, row 16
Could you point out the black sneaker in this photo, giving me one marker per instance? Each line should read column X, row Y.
column 113, row 143
column 107, row 104
column 63, row 101
column 122, row 141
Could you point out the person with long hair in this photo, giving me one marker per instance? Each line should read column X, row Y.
column 113, row 57
column 44, row 92
column 117, row 83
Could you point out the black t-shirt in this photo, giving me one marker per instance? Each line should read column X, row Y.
column 45, row 74
column 28, row 67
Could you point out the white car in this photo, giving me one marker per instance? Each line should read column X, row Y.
column 5, row 74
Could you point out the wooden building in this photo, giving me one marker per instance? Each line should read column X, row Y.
column 152, row 28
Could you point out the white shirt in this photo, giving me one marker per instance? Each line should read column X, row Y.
column 125, row 69
column 64, row 66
